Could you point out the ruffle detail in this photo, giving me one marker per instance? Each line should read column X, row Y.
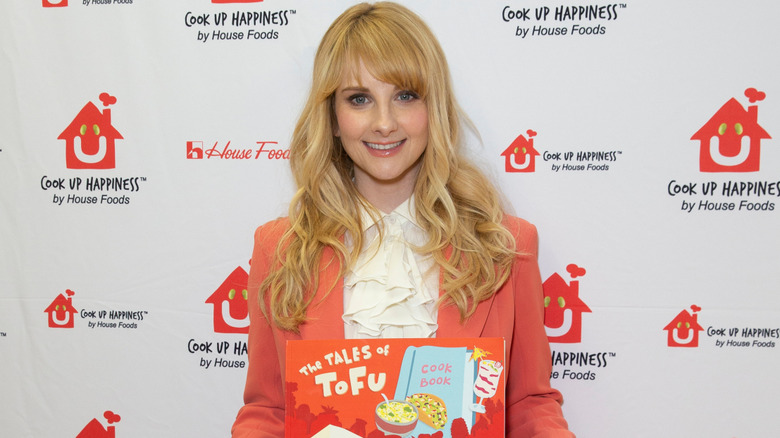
column 385, row 293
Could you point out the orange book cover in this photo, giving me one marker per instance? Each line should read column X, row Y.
column 377, row 388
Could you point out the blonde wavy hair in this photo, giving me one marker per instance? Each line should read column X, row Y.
column 455, row 203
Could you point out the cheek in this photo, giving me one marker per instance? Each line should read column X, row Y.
column 417, row 123
column 347, row 124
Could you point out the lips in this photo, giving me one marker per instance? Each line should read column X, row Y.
column 383, row 146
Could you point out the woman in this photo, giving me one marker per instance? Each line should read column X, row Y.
column 384, row 193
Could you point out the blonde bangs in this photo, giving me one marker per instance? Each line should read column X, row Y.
column 388, row 54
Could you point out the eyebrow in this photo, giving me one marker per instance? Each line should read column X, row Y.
column 354, row 89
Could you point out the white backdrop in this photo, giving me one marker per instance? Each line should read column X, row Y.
column 109, row 259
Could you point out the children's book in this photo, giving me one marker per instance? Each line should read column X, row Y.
column 377, row 388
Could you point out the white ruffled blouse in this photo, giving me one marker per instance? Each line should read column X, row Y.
column 391, row 291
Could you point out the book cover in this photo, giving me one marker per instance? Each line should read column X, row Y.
column 377, row 388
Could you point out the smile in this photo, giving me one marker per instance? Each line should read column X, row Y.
column 383, row 147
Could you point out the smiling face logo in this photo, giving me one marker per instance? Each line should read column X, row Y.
column 231, row 312
column 731, row 140
column 683, row 330
column 563, row 307
column 89, row 138
column 61, row 311
column 520, row 156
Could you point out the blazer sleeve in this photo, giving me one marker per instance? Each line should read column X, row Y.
column 262, row 415
column 533, row 406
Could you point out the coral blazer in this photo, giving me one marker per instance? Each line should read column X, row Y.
column 515, row 313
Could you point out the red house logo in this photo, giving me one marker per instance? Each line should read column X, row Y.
column 90, row 137
column 55, row 3
column 94, row 429
column 61, row 311
column 520, row 156
column 731, row 140
column 563, row 307
column 231, row 312
column 683, row 330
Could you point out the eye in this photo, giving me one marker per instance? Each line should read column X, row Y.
column 738, row 128
column 232, row 294
column 358, row 99
column 679, row 325
column 83, row 129
column 722, row 128
column 561, row 302
column 96, row 129
column 407, row 96
column 546, row 301
column 245, row 294
column 687, row 325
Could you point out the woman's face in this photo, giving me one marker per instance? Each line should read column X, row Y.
column 384, row 130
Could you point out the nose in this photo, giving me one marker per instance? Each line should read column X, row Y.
column 385, row 121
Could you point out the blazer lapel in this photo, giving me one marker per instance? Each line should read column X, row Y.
column 325, row 311
column 449, row 320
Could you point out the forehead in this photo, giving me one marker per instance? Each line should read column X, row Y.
column 360, row 69
column 358, row 75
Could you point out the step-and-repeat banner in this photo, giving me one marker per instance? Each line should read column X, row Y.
column 142, row 142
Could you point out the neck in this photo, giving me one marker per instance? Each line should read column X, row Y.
column 386, row 198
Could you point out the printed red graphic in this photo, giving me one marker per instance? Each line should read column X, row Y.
column 94, row 429
column 231, row 312
column 90, row 137
column 563, row 307
column 61, row 311
column 520, row 156
column 731, row 140
column 55, row 3
column 194, row 150
column 684, row 329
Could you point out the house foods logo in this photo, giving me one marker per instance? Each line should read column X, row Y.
column 561, row 21
column 90, row 137
column 262, row 150
column 61, row 311
column 238, row 25
column 90, row 144
column 230, row 310
column 684, row 331
column 729, row 145
column 730, row 141
column 521, row 157
column 563, row 307
column 94, row 429
column 62, row 314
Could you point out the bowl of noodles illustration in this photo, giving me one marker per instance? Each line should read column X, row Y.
column 396, row 417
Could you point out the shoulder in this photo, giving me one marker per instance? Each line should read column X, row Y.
column 268, row 235
column 524, row 232
column 272, row 229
